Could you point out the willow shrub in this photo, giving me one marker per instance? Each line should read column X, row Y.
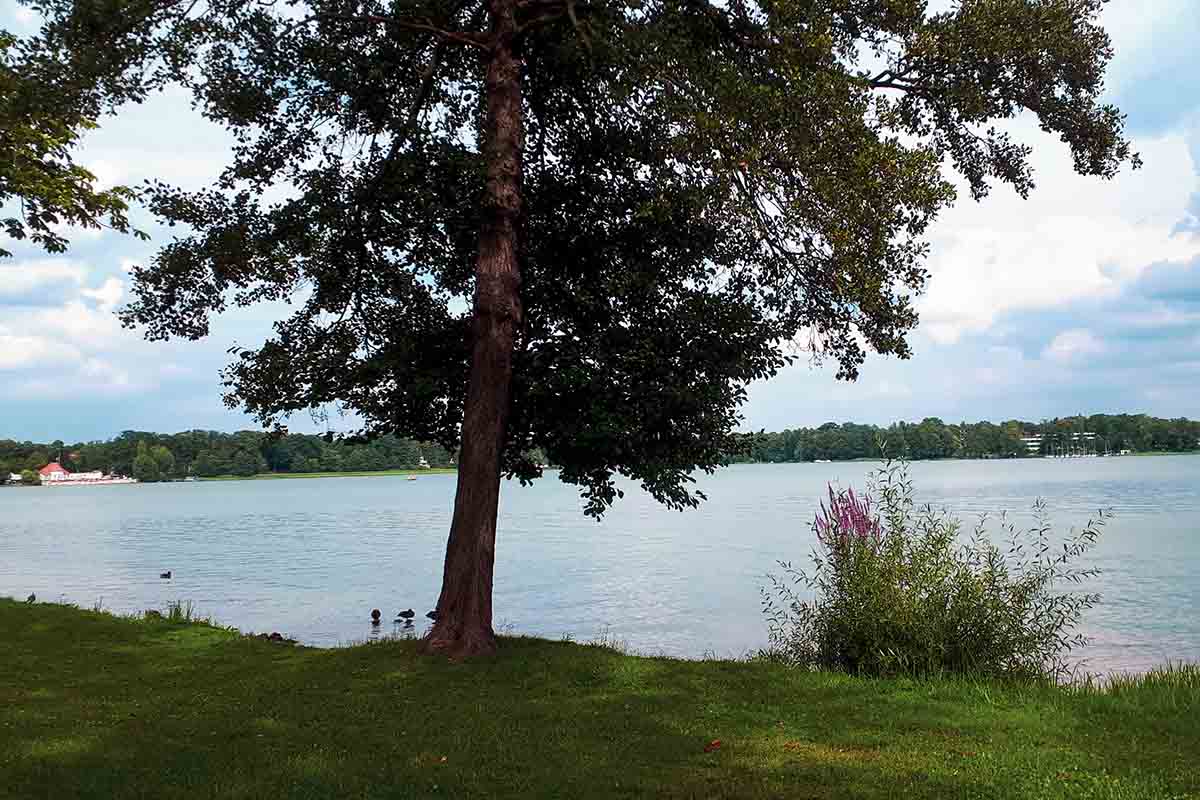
column 896, row 589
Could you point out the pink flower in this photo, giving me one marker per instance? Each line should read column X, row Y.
column 847, row 516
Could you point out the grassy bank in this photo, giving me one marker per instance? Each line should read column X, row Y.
column 98, row 706
column 271, row 476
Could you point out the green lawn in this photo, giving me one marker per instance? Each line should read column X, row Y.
column 268, row 476
column 93, row 705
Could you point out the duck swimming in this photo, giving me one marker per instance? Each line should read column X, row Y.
column 375, row 615
column 407, row 614
column 165, row 575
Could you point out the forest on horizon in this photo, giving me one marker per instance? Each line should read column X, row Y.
column 206, row 454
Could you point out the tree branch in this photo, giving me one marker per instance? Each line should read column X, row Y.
column 476, row 39
column 470, row 38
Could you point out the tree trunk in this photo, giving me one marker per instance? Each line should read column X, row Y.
column 464, row 610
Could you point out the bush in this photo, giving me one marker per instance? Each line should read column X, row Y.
column 897, row 591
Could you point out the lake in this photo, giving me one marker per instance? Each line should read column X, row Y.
column 311, row 558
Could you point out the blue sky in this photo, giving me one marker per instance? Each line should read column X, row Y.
column 1083, row 299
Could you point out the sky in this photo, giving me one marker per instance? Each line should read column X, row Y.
column 1085, row 298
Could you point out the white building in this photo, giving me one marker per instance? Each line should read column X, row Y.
column 57, row 473
column 53, row 472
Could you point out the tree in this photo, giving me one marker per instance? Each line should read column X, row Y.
column 145, row 467
column 30, row 478
column 41, row 119
column 641, row 205
column 37, row 459
column 208, row 465
column 248, row 463
column 164, row 460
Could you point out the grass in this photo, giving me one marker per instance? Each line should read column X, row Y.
column 97, row 706
column 271, row 476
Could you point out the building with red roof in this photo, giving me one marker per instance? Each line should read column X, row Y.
column 54, row 472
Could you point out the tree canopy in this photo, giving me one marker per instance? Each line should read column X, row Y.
column 41, row 120
column 208, row 454
column 581, row 226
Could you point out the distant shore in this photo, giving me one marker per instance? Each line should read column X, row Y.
column 271, row 476
column 877, row 459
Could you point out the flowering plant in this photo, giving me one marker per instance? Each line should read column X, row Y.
column 847, row 516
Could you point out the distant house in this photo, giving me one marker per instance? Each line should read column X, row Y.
column 54, row 472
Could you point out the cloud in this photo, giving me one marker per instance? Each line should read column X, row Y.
column 21, row 352
column 1073, row 345
column 1155, row 73
column 108, row 295
column 1134, row 349
column 40, row 282
column 163, row 139
column 1074, row 238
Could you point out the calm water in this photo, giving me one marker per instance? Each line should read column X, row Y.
column 310, row 558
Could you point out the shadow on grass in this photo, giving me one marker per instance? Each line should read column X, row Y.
column 94, row 706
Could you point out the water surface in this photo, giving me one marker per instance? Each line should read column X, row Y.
column 311, row 558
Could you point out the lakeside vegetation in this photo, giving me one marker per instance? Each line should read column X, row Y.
column 248, row 454
column 233, row 716
column 934, row 439
column 211, row 454
column 269, row 476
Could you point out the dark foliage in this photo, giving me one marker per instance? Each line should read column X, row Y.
column 207, row 454
column 703, row 185
column 42, row 116
column 932, row 438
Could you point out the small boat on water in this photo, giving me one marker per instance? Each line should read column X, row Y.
column 411, row 478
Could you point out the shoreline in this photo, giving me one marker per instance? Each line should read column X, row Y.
column 881, row 459
column 280, row 476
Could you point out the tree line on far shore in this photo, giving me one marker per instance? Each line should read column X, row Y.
column 932, row 439
column 204, row 454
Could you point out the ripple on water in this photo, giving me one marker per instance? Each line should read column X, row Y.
column 311, row 558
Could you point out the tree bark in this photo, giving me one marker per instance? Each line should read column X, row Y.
column 464, row 611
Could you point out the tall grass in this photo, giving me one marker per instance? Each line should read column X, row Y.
column 182, row 612
column 1174, row 685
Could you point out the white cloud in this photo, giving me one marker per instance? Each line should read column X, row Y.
column 107, row 295
column 22, row 352
column 1075, row 237
column 173, row 370
column 87, row 328
column 105, row 374
column 162, row 139
column 1139, row 31
column 888, row 388
column 1072, row 345
column 20, row 278
column 1156, row 318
